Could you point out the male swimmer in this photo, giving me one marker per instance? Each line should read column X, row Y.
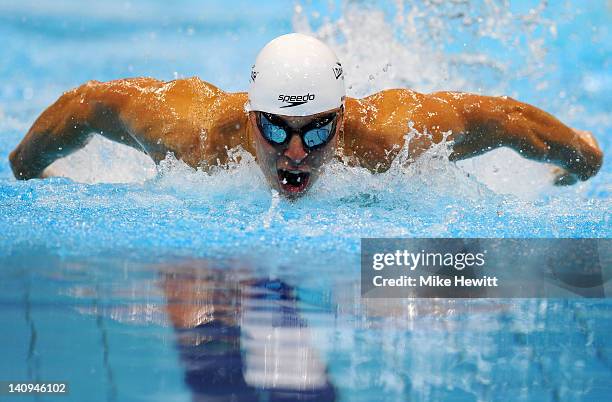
column 295, row 118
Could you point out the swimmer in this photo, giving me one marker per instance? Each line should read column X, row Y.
column 294, row 119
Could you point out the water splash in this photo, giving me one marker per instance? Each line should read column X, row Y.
column 103, row 161
column 430, row 45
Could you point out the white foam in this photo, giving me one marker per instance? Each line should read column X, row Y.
column 104, row 161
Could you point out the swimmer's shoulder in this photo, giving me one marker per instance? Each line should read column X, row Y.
column 191, row 89
column 179, row 111
column 199, row 89
column 381, row 112
column 218, row 116
column 375, row 126
column 383, row 109
column 185, row 98
column 387, row 113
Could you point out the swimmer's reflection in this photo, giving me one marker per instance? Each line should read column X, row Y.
column 243, row 339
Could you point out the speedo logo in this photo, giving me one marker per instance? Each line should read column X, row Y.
column 295, row 100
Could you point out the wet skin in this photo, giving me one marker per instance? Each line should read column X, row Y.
column 198, row 123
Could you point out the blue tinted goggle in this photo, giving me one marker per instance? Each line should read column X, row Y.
column 315, row 134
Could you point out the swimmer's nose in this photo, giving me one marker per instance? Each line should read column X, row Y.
column 295, row 151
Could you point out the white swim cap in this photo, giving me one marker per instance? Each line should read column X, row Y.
column 296, row 75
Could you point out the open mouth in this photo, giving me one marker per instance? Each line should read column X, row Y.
column 293, row 181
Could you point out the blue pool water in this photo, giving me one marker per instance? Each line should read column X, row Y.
column 93, row 263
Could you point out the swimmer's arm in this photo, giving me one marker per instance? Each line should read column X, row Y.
column 492, row 122
column 67, row 125
column 152, row 116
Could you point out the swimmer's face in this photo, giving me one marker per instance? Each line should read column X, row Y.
column 289, row 152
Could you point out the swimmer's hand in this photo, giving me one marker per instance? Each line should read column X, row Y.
column 591, row 152
column 587, row 141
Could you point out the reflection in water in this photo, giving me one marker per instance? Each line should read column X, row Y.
column 230, row 333
column 243, row 338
